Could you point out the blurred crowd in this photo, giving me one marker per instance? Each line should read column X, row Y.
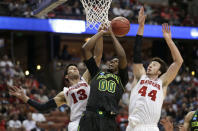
column 16, row 116
column 177, row 12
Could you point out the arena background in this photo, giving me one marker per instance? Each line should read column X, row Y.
column 34, row 58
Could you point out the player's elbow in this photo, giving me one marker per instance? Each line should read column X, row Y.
column 180, row 61
column 85, row 47
column 122, row 56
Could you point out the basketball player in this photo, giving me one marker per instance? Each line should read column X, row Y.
column 106, row 89
column 190, row 122
column 149, row 87
column 75, row 94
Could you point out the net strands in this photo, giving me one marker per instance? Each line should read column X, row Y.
column 96, row 12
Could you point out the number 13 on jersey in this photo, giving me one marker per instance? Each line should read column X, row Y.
column 151, row 94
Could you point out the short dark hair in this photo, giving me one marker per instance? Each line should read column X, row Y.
column 163, row 65
column 67, row 67
column 66, row 81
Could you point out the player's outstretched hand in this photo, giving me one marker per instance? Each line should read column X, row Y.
column 166, row 30
column 141, row 16
column 18, row 92
column 168, row 126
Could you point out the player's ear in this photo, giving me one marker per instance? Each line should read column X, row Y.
column 66, row 76
column 159, row 72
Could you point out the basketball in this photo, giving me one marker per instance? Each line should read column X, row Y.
column 120, row 26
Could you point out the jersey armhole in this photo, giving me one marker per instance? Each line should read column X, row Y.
column 65, row 89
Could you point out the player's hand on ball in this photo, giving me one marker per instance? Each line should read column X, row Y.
column 141, row 16
column 166, row 30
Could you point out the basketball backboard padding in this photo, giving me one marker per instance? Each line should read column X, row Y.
column 46, row 6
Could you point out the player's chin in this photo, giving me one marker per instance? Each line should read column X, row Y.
column 148, row 73
column 110, row 70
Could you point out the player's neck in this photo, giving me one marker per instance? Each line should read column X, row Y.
column 152, row 77
column 74, row 81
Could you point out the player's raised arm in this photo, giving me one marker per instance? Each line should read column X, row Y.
column 138, row 68
column 98, row 50
column 173, row 69
column 119, row 51
column 51, row 104
column 90, row 44
column 91, row 63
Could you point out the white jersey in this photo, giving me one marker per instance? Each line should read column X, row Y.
column 146, row 102
column 76, row 97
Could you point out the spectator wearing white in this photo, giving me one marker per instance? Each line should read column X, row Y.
column 5, row 61
column 14, row 124
column 29, row 124
column 41, row 96
column 127, row 12
column 117, row 10
column 38, row 117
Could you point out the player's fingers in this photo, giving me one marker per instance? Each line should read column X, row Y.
column 12, row 88
column 17, row 88
column 169, row 28
column 11, row 92
column 20, row 88
column 162, row 121
column 163, row 27
column 166, row 27
column 141, row 10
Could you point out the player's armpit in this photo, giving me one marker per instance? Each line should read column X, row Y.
column 138, row 70
column 60, row 99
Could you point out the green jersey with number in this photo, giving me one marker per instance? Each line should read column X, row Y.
column 106, row 91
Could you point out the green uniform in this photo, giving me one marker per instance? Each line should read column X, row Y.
column 194, row 122
column 106, row 90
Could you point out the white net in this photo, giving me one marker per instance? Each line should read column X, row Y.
column 96, row 12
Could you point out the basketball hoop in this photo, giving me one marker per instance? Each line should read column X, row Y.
column 96, row 13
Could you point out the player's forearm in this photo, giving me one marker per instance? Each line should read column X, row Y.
column 90, row 44
column 137, row 58
column 98, row 50
column 140, row 30
column 42, row 106
column 24, row 98
column 118, row 48
column 174, row 51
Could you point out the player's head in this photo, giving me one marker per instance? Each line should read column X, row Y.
column 113, row 65
column 71, row 72
column 156, row 67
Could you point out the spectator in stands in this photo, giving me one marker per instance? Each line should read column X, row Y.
column 14, row 124
column 29, row 124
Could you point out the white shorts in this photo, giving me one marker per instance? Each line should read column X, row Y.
column 73, row 125
column 143, row 128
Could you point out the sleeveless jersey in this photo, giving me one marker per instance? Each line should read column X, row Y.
column 76, row 97
column 194, row 122
column 146, row 101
